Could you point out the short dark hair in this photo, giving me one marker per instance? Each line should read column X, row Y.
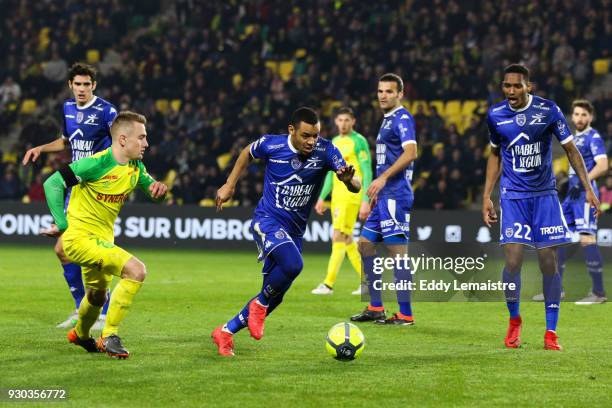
column 517, row 69
column 345, row 110
column 389, row 77
column 304, row 114
column 584, row 104
column 80, row 68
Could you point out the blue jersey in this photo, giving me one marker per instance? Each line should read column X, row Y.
column 591, row 147
column 291, row 181
column 87, row 128
column 396, row 131
column 524, row 137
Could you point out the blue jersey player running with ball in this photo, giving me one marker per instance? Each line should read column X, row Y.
column 296, row 166
column 521, row 129
column 86, row 128
column 391, row 200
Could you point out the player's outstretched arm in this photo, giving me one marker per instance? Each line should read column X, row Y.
column 408, row 156
column 34, row 153
column 577, row 163
column 489, row 215
column 345, row 174
column 226, row 192
column 54, row 193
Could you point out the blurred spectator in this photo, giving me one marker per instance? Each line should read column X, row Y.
column 36, row 191
column 605, row 192
column 10, row 92
column 10, row 185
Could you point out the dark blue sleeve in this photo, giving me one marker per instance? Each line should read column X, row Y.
column 333, row 158
column 111, row 114
column 259, row 148
column 494, row 137
column 404, row 128
column 559, row 126
column 64, row 132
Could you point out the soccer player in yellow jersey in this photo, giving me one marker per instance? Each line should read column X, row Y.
column 100, row 185
column 345, row 206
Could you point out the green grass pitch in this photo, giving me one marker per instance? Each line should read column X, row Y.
column 453, row 356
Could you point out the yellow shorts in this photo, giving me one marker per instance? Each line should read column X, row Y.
column 98, row 258
column 344, row 216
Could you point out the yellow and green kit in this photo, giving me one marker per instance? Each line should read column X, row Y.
column 88, row 224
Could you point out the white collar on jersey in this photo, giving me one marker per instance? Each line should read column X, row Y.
column 293, row 149
column 393, row 111
column 529, row 100
column 586, row 130
column 88, row 104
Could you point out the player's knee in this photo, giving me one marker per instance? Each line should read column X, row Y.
column 96, row 297
column 366, row 248
column 586, row 240
column 293, row 267
column 134, row 270
column 513, row 265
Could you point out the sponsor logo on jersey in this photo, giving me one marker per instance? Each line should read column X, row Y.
column 279, row 235
column 110, row 177
column 313, row 163
column 79, row 117
column 276, row 146
column 91, row 119
column 279, row 161
column 537, row 119
column 521, row 119
column 542, row 106
column 98, row 107
column 509, row 232
column 292, row 194
column 112, row 198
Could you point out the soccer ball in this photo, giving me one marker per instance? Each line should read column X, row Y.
column 345, row 341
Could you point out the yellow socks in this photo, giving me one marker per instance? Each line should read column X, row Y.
column 354, row 257
column 88, row 314
column 121, row 299
column 335, row 262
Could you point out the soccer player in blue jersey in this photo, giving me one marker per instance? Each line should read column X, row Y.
column 521, row 130
column 296, row 165
column 391, row 200
column 580, row 217
column 86, row 128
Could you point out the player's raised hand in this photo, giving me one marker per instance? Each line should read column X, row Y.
column 32, row 154
column 591, row 198
column 320, row 207
column 375, row 187
column 158, row 189
column 346, row 173
column 223, row 195
column 364, row 211
column 489, row 216
column 52, row 231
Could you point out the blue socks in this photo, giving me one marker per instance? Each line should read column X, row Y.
column 403, row 296
column 368, row 268
column 552, row 299
column 513, row 296
column 74, row 279
column 594, row 265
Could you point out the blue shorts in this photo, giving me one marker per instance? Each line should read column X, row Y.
column 269, row 234
column 389, row 217
column 534, row 221
column 580, row 216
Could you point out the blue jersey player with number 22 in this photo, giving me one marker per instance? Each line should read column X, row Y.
column 521, row 129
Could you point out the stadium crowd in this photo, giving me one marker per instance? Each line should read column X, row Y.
column 211, row 59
